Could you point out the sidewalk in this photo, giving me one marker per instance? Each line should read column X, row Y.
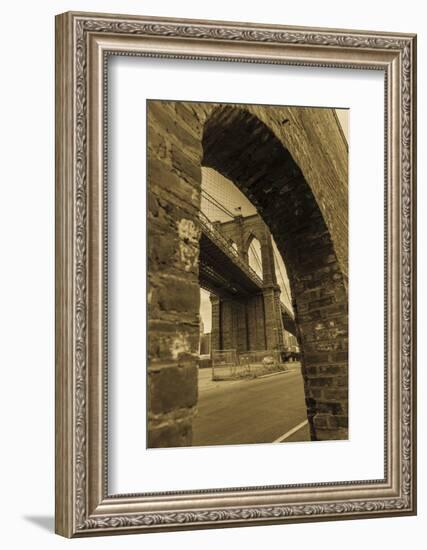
column 207, row 384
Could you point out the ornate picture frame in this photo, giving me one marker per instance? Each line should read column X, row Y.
column 84, row 42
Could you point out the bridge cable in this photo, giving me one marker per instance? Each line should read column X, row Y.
column 217, row 204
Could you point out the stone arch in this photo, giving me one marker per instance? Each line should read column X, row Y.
column 246, row 149
column 249, row 238
column 254, row 258
column 234, row 246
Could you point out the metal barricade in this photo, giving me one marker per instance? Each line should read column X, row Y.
column 224, row 364
column 230, row 365
column 261, row 362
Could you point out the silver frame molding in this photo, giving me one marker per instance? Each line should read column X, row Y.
column 83, row 43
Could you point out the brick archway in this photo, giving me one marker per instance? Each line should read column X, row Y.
column 244, row 147
column 241, row 147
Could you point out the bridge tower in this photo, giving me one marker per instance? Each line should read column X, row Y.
column 250, row 323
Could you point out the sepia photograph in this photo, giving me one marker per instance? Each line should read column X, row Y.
column 235, row 274
column 247, row 274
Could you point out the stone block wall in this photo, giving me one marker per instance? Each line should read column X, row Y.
column 174, row 151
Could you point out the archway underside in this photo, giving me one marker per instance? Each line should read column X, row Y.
column 243, row 149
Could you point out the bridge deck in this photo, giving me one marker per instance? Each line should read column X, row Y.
column 221, row 272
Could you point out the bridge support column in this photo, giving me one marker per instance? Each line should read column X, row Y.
column 216, row 323
column 273, row 318
column 255, row 323
column 227, row 325
column 233, row 325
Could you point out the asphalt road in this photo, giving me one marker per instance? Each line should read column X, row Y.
column 251, row 411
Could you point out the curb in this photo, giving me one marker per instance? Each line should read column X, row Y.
column 272, row 374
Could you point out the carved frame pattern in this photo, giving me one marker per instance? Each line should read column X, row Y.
column 75, row 513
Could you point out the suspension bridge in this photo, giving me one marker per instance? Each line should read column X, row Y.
column 247, row 310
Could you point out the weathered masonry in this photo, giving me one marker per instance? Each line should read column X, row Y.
column 291, row 163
